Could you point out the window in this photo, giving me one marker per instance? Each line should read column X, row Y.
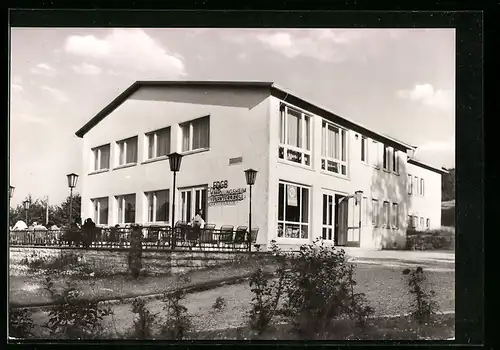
column 410, row 184
column 364, row 149
column 410, row 221
column 415, row 186
column 421, row 187
column 375, row 212
column 293, row 211
column 158, row 143
column 101, row 157
column 395, row 161
column 193, row 199
column 196, row 134
column 365, row 212
column 334, row 149
column 328, row 211
column 428, row 223
column 158, row 206
column 127, row 151
column 100, row 210
column 386, row 157
column 421, row 222
column 415, row 221
column 126, row 209
column 395, row 215
column 386, row 214
column 375, row 154
column 295, row 136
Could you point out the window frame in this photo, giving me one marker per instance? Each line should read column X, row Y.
column 125, row 146
column 97, row 211
column 422, row 184
column 409, row 180
column 365, row 142
column 97, row 157
column 194, row 206
column 284, row 147
column 416, row 185
column 121, row 198
column 155, row 143
column 428, row 223
column 300, row 223
column 189, row 124
column 386, row 157
column 153, row 194
column 395, row 161
column 343, row 136
column 375, row 212
column 395, row 216
column 386, row 212
column 376, row 158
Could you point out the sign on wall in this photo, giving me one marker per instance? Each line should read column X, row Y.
column 220, row 194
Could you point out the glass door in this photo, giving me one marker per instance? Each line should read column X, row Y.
column 328, row 213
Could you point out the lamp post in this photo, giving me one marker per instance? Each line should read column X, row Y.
column 26, row 205
column 175, row 164
column 11, row 191
column 250, row 175
column 72, row 179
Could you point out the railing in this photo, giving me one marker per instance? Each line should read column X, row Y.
column 154, row 237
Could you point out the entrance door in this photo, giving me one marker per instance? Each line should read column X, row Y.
column 328, row 225
column 340, row 235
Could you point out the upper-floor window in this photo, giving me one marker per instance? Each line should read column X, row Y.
column 127, row 151
column 415, row 186
column 334, row 149
column 196, row 134
column 126, row 208
column 100, row 210
column 387, row 157
column 158, row 143
column 421, row 186
column 158, row 205
column 101, row 157
column 375, row 153
column 294, row 136
column 410, row 184
column 364, row 149
column 395, row 161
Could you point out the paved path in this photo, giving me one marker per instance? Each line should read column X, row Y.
column 411, row 256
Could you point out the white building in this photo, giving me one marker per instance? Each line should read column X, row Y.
column 309, row 162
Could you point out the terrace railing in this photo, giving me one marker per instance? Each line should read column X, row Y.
column 208, row 238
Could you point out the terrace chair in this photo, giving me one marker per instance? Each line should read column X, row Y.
column 239, row 236
column 207, row 234
column 226, row 233
column 253, row 235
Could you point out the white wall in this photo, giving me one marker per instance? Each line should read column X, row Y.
column 238, row 128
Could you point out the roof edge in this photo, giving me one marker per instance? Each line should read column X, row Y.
column 427, row 166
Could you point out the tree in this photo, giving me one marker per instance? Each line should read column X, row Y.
column 448, row 185
column 60, row 217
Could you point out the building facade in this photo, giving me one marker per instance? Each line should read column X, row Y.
column 312, row 166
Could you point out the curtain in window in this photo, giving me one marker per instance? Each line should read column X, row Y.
column 132, row 150
column 104, row 158
column 122, row 153
column 130, row 208
column 305, row 205
column 151, row 144
column 163, row 143
column 162, row 205
column 344, row 147
column 120, row 210
column 96, row 209
column 150, row 207
column 103, row 211
column 185, row 137
column 293, row 128
column 201, row 133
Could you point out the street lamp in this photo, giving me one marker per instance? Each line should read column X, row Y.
column 250, row 175
column 11, row 191
column 175, row 164
column 72, row 179
column 26, row 205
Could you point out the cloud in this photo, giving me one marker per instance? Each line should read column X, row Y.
column 425, row 93
column 86, row 69
column 437, row 146
column 132, row 50
column 30, row 118
column 43, row 69
column 16, row 88
column 57, row 94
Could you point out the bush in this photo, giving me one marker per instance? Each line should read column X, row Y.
column 177, row 322
column 430, row 242
column 143, row 322
column 219, row 304
column 74, row 317
column 424, row 305
column 20, row 323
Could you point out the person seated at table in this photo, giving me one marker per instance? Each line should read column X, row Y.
column 198, row 221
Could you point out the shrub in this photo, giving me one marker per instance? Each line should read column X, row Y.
column 319, row 288
column 20, row 323
column 177, row 322
column 72, row 316
column 424, row 305
column 143, row 322
column 219, row 303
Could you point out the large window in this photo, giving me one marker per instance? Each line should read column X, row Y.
column 387, row 157
column 375, row 154
column 415, row 186
column 158, row 206
column 294, row 136
column 395, row 215
column 364, row 149
column 127, row 151
column 375, row 212
column 386, row 214
column 126, row 209
column 193, row 199
column 158, row 143
column 293, row 211
column 328, row 212
column 395, row 161
column 421, row 187
column 100, row 210
column 196, row 134
column 334, row 149
column 101, row 157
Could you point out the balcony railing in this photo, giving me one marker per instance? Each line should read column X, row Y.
column 182, row 237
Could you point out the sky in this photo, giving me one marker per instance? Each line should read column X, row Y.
column 399, row 82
